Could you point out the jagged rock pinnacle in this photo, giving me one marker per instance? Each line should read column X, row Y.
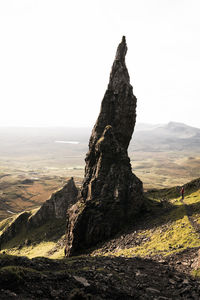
column 111, row 194
column 119, row 103
column 118, row 109
column 121, row 50
column 119, row 73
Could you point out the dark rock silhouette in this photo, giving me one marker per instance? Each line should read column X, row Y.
column 111, row 194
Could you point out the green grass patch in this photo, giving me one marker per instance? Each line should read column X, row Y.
column 34, row 241
column 51, row 231
column 170, row 232
column 194, row 198
column 196, row 273
column 38, row 250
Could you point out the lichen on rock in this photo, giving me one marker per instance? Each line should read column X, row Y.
column 111, row 194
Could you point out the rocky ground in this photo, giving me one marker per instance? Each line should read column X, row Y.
column 98, row 278
column 102, row 275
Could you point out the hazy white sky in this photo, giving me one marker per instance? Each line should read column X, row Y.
column 56, row 56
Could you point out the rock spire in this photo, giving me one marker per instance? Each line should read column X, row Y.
column 111, row 194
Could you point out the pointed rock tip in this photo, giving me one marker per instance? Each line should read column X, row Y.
column 123, row 39
column 121, row 50
column 70, row 183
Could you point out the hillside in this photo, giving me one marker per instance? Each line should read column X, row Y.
column 166, row 221
column 165, row 237
column 42, row 228
column 169, row 225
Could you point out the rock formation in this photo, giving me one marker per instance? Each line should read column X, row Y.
column 111, row 194
column 52, row 209
column 57, row 205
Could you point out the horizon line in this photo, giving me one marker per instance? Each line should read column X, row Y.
column 90, row 126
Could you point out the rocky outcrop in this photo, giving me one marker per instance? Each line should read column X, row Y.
column 111, row 194
column 53, row 209
column 14, row 227
column 57, row 205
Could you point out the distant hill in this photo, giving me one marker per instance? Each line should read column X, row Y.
column 172, row 129
column 166, row 137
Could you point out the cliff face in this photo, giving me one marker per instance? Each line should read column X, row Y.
column 111, row 194
column 57, row 205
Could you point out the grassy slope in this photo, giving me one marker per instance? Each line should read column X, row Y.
column 169, row 230
column 36, row 241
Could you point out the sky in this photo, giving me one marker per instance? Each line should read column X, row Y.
column 56, row 57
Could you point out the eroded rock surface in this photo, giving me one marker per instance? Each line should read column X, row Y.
column 111, row 194
column 57, row 205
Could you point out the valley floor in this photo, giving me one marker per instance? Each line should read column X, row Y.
column 27, row 181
